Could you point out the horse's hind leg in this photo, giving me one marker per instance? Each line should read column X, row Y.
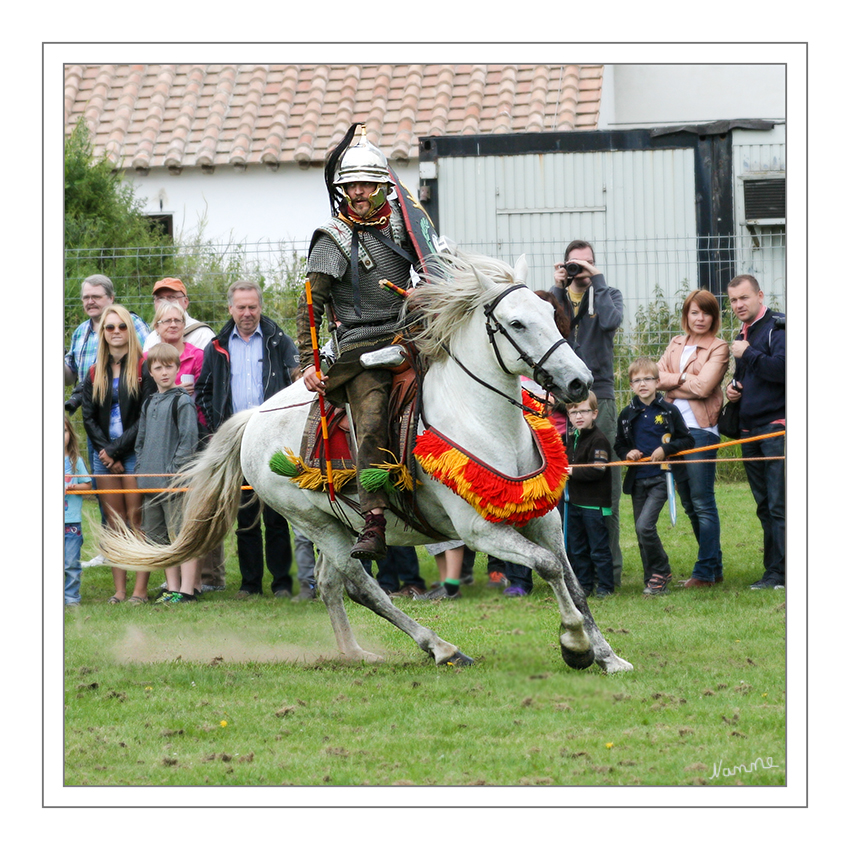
column 339, row 569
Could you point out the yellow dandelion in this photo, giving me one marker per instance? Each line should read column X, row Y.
column 609, row 744
column 148, row 688
column 223, row 724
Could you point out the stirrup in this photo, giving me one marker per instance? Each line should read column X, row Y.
column 384, row 358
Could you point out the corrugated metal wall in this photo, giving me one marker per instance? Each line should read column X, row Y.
column 637, row 208
column 761, row 247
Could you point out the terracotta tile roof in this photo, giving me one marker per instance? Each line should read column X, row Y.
column 177, row 116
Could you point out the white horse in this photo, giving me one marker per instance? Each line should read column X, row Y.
column 483, row 328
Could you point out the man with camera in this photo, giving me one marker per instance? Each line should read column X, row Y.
column 596, row 312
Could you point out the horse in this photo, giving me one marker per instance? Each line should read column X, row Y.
column 481, row 328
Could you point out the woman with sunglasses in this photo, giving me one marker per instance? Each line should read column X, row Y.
column 113, row 392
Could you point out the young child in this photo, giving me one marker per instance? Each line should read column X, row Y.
column 77, row 479
column 642, row 428
column 167, row 438
column 590, row 500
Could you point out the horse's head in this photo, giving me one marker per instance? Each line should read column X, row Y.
column 522, row 330
column 524, row 339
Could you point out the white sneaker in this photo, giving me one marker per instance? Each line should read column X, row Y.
column 96, row 561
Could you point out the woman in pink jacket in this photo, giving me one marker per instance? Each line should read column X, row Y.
column 691, row 372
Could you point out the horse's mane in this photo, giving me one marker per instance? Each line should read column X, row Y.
column 441, row 304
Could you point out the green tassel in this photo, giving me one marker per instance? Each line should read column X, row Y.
column 375, row 479
column 280, row 464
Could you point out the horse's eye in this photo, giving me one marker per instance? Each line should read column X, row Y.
column 517, row 325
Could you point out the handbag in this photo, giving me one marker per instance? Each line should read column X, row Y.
column 728, row 423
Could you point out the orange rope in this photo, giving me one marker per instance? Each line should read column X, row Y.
column 573, row 466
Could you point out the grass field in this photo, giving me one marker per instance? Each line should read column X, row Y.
column 248, row 693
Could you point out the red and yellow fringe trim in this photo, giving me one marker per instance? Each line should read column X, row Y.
column 498, row 497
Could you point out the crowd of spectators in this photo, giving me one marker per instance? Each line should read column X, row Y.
column 125, row 374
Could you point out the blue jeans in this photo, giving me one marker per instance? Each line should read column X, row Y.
column 399, row 567
column 589, row 549
column 649, row 495
column 697, row 495
column 73, row 571
column 305, row 559
column 767, row 483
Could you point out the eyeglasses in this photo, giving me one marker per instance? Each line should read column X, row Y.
column 172, row 298
column 637, row 381
column 170, row 322
column 121, row 327
column 580, row 412
column 93, row 298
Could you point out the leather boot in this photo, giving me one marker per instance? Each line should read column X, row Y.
column 372, row 543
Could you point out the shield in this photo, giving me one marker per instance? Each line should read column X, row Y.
column 419, row 226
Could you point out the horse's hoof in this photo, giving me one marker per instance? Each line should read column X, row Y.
column 457, row 660
column 578, row 660
column 615, row 664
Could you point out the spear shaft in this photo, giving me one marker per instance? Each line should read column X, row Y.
column 315, row 343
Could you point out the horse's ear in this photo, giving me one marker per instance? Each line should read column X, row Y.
column 521, row 270
column 483, row 280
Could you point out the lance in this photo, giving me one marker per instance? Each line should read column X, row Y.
column 315, row 343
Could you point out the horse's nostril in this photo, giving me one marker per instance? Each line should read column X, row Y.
column 577, row 387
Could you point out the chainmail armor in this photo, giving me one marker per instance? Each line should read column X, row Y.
column 379, row 308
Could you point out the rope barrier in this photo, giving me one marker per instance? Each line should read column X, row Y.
column 573, row 466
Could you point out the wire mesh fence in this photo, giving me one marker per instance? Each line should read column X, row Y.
column 654, row 276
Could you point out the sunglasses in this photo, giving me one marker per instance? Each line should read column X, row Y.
column 121, row 327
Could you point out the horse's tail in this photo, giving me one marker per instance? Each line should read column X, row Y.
column 214, row 480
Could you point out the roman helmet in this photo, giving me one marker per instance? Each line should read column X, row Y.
column 361, row 162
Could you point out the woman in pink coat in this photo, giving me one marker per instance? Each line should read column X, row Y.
column 691, row 371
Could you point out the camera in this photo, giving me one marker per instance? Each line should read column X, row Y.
column 573, row 269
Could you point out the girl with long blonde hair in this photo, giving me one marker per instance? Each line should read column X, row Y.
column 113, row 393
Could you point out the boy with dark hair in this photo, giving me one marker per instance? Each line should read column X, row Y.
column 588, row 546
column 167, row 438
column 649, row 427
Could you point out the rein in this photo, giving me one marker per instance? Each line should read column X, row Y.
column 543, row 377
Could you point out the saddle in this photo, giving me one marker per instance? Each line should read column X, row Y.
column 309, row 470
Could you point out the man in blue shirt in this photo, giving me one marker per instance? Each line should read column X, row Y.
column 247, row 363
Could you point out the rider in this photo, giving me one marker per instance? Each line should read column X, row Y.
column 362, row 243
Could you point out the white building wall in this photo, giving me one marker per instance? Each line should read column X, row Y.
column 655, row 95
column 255, row 205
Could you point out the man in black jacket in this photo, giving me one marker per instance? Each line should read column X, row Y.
column 759, row 385
column 247, row 363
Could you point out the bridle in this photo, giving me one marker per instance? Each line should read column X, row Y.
column 540, row 375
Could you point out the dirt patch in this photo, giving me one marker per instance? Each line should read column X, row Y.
column 139, row 646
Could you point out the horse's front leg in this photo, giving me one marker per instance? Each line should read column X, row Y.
column 508, row 544
column 548, row 532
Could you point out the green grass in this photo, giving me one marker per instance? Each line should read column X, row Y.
column 250, row 693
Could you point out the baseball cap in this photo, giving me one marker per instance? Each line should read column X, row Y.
column 169, row 283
